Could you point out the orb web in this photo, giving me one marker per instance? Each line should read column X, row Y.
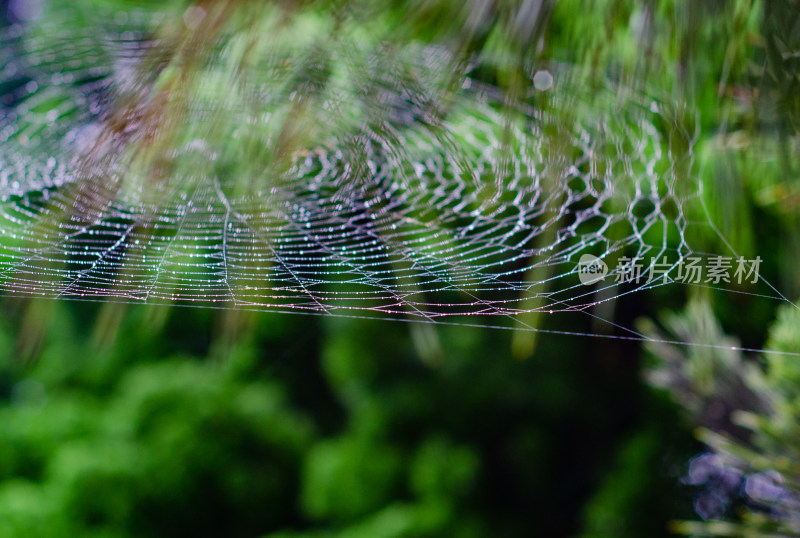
column 391, row 184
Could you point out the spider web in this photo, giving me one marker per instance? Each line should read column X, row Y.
column 398, row 187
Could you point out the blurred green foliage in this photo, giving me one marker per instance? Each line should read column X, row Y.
column 183, row 422
column 119, row 421
column 748, row 416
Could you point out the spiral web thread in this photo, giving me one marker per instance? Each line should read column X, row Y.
column 418, row 218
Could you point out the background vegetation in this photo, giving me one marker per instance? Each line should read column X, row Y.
column 151, row 421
